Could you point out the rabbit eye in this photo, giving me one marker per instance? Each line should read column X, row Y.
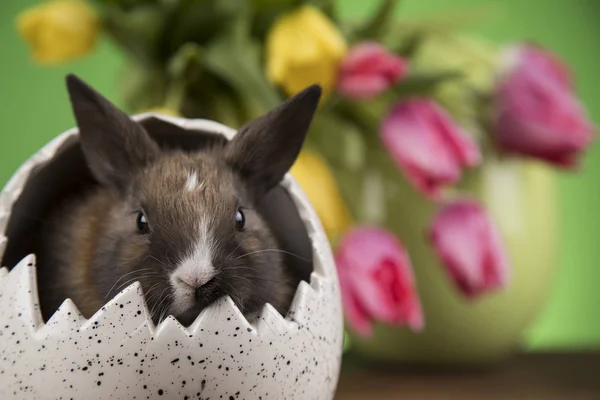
column 142, row 223
column 240, row 220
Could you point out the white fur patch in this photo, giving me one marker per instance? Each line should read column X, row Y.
column 193, row 272
column 193, row 183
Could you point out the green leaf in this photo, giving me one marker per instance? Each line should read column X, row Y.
column 328, row 7
column 347, row 343
column 344, row 144
column 186, row 61
column 183, row 70
column 423, row 83
column 367, row 115
column 331, row 134
column 137, row 30
column 448, row 21
column 142, row 87
column 405, row 35
column 376, row 27
column 236, row 58
column 224, row 109
column 261, row 5
column 266, row 13
column 408, row 46
column 198, row 21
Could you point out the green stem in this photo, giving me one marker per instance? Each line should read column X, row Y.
column 366, row 117
column 176, row 95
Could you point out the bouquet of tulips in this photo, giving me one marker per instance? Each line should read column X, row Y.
column 435, row 103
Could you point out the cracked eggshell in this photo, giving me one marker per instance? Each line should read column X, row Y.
column 120, row 353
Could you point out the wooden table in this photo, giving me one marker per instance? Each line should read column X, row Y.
column 528, row 377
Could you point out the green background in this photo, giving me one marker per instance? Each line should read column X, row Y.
column 34, row 108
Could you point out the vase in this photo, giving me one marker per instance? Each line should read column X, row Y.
column 521, row 199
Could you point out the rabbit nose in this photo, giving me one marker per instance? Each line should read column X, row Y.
column 201, row 289
column 193, row 282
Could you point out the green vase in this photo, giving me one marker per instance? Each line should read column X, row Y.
column 520, row 197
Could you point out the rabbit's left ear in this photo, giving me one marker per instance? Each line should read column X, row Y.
column 265, row 149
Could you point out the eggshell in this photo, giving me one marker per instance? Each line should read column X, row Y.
column 119, row 352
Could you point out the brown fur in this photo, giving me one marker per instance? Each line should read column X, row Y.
column 94, row 243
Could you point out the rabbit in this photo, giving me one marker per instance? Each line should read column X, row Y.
column 183, row 224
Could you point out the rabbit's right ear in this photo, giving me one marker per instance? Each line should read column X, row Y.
column 115, row 147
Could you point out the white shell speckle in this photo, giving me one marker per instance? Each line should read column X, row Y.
column 119, row 353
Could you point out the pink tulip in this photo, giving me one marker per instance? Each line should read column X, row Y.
column 538, row 113
column 368, row 70
column 428, row 145
column 377, row 281
column 469, row 245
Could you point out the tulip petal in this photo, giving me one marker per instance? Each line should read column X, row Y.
column 318, row 182
column 377, row 280
column 303, row 48
column 470, row 247
column 537, row 111
column 59, row 30
column 548, row 65
column 368, row 70
column 357, row 317
column 362, row 87
column 464, row 149
column 427, row 145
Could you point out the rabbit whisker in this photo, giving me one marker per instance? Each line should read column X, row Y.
column 123, row 276
column 150, row 292
column 135, row 278
column 274, row 251
column 163, row 314
column 162, row 305
column 233, row 251
column 157, row 260
column 235, row 295
column 159, row 301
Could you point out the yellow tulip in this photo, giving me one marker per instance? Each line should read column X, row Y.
column 304, row 48
column 59, row 30
column 164, row 111
column 316, row 179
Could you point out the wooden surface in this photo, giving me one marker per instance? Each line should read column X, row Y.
column 528, row 377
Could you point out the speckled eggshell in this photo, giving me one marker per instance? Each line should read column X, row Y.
column 120, row 354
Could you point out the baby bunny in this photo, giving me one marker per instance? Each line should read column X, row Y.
column 183, row 224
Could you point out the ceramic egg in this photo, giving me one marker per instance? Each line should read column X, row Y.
column 119, row 353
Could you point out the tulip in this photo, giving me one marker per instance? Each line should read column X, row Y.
column 318, row 182
column 164, row 111
column 427, row 145
column 59, row 30
column 376, row 280
column 537, row 111
column 368, row 70
column 468, row 244
column 303, row 48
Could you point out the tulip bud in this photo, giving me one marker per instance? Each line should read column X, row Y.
column 470, row 248
column 303, row 48
column 318, row 182
column 537, row 111
column 427, row 145
column 59, row 30
column 377, row 282
column 368, row 70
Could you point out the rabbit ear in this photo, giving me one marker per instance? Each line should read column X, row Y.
column 266, row 148
column 114, row 145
